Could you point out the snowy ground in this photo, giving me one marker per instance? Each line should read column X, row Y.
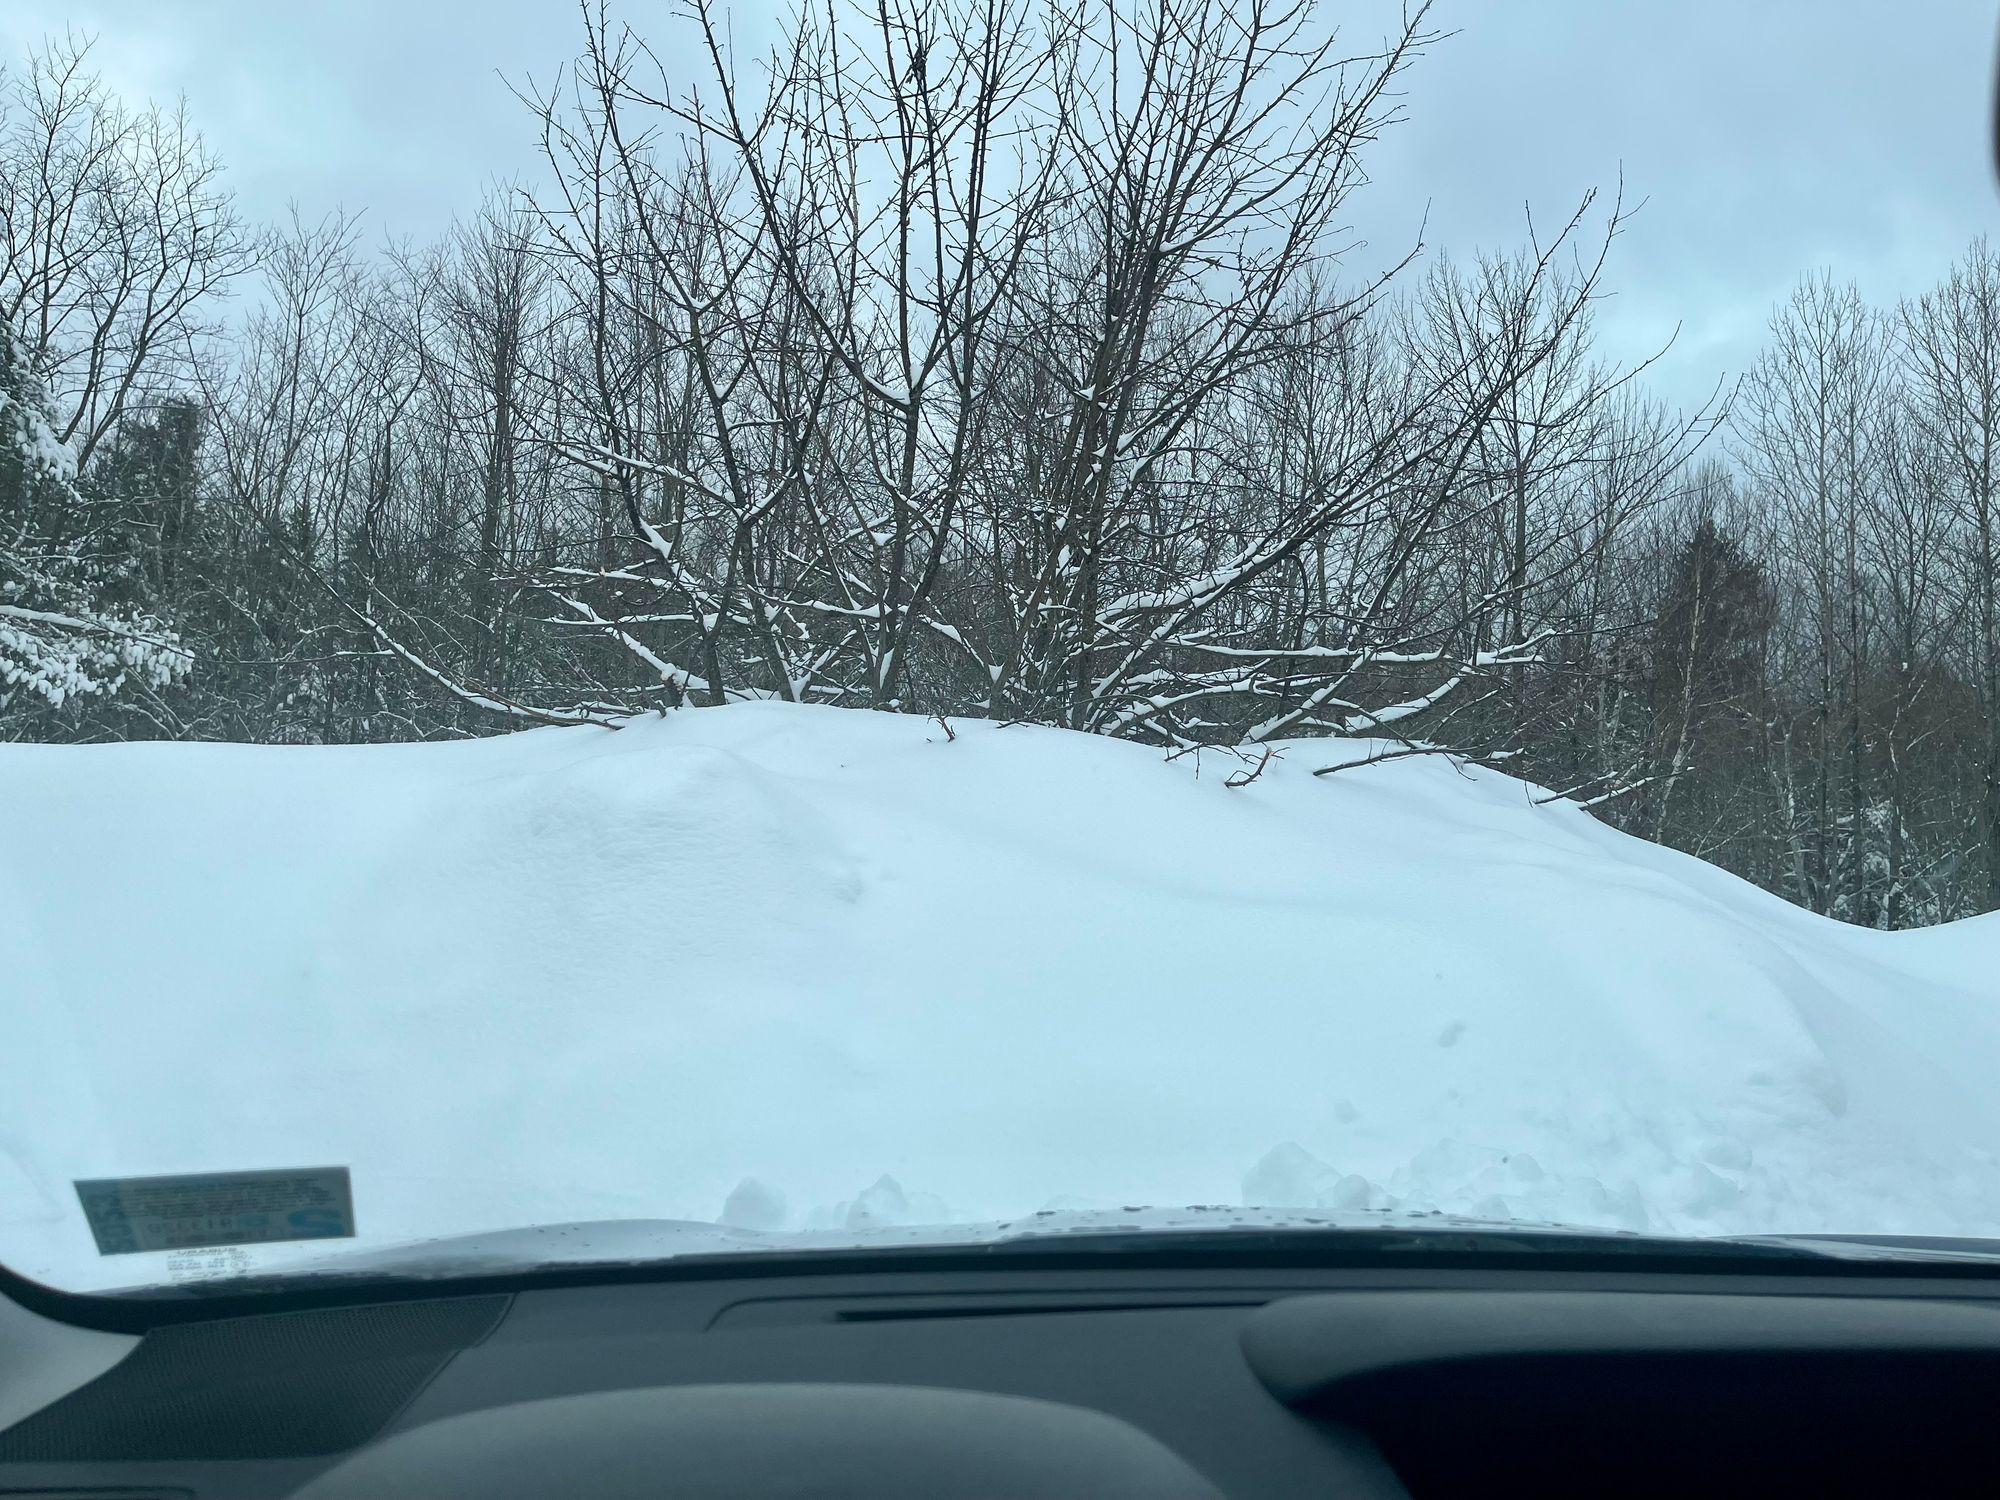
column 580, row 974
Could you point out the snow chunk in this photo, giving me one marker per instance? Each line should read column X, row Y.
column 1287, row 1176
column 753, row 1205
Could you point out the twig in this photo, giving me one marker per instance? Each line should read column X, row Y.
column 1244, row 778
column 1381, row 756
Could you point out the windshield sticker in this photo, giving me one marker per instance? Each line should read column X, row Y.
column 216, row 1263
column 129, row 1215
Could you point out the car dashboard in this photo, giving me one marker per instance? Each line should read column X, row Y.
column 1026, row 1377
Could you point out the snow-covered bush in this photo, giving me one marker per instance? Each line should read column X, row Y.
column 59, row 639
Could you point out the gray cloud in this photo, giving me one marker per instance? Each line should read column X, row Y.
column 1767, row 137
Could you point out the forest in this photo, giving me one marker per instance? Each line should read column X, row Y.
column 1005, row 360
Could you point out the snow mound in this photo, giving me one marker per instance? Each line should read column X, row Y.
column 813, row 970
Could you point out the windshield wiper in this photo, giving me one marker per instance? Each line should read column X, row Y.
column 519, row 1260
column 1881, row 1247
column 1453, row 1243
column 1341, row 1245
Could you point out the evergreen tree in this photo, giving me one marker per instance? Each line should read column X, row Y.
column 66, row 637
column 1708, row 691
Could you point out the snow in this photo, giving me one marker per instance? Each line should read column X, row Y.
column 786, row 970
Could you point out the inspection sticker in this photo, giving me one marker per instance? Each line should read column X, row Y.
column 204, row 1209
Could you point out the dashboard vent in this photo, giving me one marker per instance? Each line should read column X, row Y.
column 791, row 1312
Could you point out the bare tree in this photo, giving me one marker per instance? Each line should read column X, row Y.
column 971, row 347
column 116, row 236
column 1812, row 410
column 1907, row 552
column 1951, row 350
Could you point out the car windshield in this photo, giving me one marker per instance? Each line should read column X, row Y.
column 631, row 631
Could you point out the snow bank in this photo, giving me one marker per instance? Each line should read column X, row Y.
column 806, row 969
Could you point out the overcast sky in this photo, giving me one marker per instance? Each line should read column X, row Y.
column 1768, row 137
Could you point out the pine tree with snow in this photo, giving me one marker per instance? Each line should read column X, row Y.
column 60, row 641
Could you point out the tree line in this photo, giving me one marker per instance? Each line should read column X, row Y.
column 1004, row 360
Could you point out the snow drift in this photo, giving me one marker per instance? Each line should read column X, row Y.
column 800, row 968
